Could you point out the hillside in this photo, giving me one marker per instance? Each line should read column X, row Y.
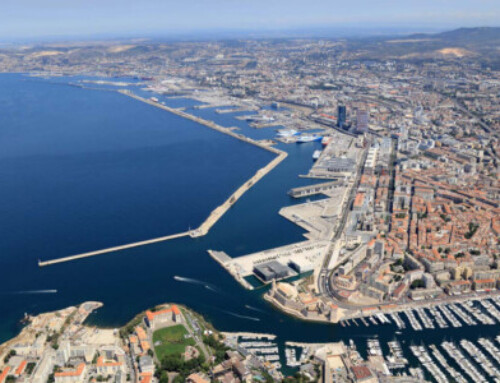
column 481, row 44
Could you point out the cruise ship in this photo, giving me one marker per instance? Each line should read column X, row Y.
column 258, row 118
column 308, row 138
column 287, row 132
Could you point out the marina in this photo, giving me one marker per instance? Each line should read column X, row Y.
column 436, row 315
column 415, row 324
column 396, row 359
column 263, row 346
column 445, row 365
column 478, row 361
column 426, row 361
column 480, row 358
column 454, row 352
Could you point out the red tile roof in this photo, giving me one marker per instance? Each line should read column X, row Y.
column 77, row 372
column 151, row 314
column 4, row 374
column 21, row 367
column 361, row 372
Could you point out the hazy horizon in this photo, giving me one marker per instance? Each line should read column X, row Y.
column 25, row 20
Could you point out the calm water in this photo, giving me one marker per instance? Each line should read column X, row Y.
column 85, row 169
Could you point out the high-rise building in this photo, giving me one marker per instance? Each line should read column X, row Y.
column 362, row 120
column 342, row 116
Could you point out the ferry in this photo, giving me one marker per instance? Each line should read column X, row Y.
column 258, row 118
column 287, row 132
column 308, row 138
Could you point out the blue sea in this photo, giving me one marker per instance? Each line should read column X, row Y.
column 84, row 169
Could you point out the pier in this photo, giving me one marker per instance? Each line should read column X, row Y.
column 309, row 190
column 209, row 124
column 306, row 253
column 215, row 215
column 112, row 249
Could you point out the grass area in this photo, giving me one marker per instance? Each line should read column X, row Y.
column 171, row 340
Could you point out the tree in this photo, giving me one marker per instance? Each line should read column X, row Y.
column 417, row 283
column 9, row 355
column 472, row 230
column 218, row 347
column 164, row 377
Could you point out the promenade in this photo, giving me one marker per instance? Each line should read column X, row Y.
column 215, row 215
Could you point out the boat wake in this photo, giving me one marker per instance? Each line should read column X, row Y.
column 189, row 280
column 254, row 309
column 48, row 291
column 241, row 316
column 193, row 281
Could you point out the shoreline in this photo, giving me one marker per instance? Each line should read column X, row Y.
column 215, row 215
column 379, row 308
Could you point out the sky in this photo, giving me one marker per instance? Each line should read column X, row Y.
column 38, row 19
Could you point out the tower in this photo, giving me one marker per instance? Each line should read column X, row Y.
column 342, row 116
column 362, row 120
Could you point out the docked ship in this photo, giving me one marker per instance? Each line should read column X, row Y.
column 316, row 154
column 286, row 132
column 308, row 138
column 259, row 118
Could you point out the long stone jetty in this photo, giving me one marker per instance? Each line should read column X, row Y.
column 215, row 215
column 199, row 120
column 112, row 249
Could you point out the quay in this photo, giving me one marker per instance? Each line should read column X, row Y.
column 202, row 121
column 309, row 190
column 236, row 110
column 215, row 215
column 250, row 335
column 303, row 255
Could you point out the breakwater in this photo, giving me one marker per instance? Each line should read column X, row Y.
column 215, row 215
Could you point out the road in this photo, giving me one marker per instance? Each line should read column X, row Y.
column 323, row 278
column 198, row 337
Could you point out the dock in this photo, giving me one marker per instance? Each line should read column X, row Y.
column 236, row 110
column 215, row 215
column 306, row 253
column 250, row 335
column 309, row 190
column 199, row 120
